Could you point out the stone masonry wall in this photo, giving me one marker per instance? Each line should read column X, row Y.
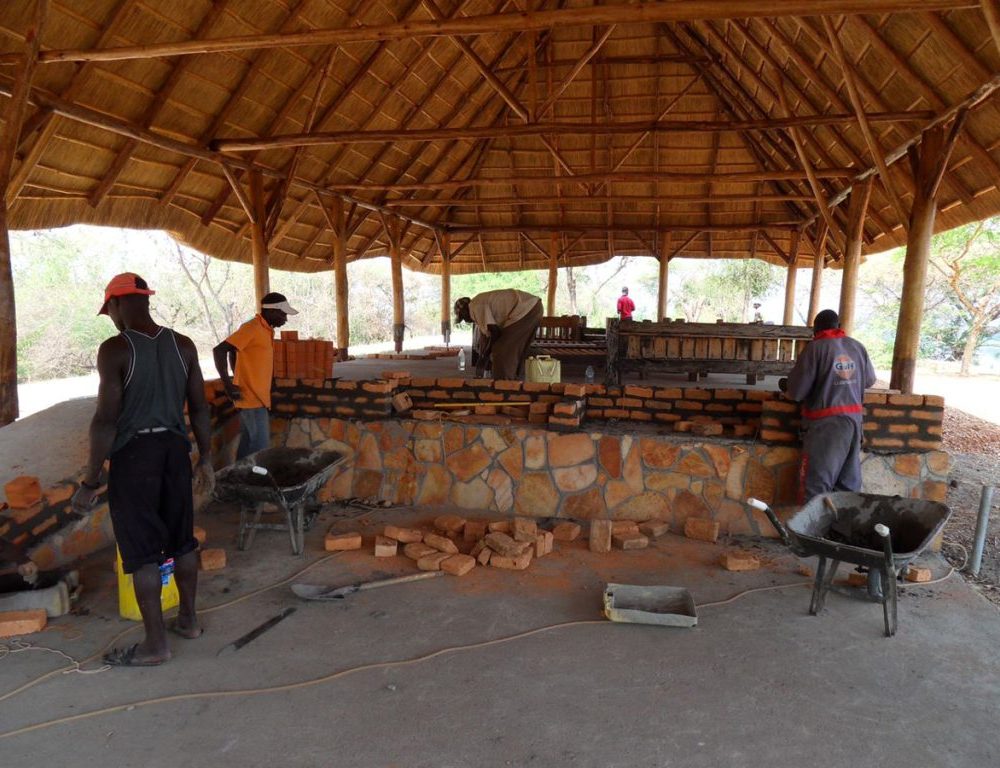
column 583, row 475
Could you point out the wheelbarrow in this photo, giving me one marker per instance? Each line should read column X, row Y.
column 285, row 477
column 881, row 533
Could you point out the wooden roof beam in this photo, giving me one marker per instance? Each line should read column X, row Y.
column 597, row 199
column 632, row 13
column 846, row 68
column 602, row 229
column 582, row 62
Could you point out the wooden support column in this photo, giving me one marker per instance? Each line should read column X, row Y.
column 444, row 245
column 550, row 306
column 817, row 276
column 261, row 260
column 928, row 160
column 396, row 265
column 856, row 213
column 661, row 293
column 340, row 286
column 13, row 119
column 788, row 318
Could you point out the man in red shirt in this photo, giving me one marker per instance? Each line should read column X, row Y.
column 625, row 305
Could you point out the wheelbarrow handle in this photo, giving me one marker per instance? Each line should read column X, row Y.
column 763, row 507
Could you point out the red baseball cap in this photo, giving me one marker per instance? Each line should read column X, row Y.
column 125, row 284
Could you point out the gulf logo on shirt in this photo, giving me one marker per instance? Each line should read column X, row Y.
column 844, row 367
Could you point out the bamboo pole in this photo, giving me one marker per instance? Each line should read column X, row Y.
column 596, row 199
column 991, row 10
column 444, row 245
column 554, row 128
column 396, row 266
column 261, row 260
column 664, row 277
column 665, row 177
column 786, row 226
column 788, row 318
column 520, row 21
column 13, row 120
column 819, row 262
column 550, row 305
column 864, row 123
column 852, row 254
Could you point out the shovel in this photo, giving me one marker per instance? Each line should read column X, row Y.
column 324, row 592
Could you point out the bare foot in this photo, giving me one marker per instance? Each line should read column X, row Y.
column 187, row 627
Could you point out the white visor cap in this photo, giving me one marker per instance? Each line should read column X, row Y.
column 284, row 306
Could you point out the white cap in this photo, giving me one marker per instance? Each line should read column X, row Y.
column 284, row 306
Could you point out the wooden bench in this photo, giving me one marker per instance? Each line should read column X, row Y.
column 562, row 328
column 753, row 349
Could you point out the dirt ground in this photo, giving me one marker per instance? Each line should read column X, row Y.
column 974, row 445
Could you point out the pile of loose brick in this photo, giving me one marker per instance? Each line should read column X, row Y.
column 456, row 545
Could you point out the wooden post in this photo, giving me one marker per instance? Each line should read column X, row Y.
column 340, row 285
column 553, row 256
column 793, row 271
column 817, row 275
column 444, row 245
column 261, row 261
column 928, row 160
column 661, row 294
column 396, row 264
column 856, row 212
column 13, row 119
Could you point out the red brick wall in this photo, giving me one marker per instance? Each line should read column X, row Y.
column 892, row 423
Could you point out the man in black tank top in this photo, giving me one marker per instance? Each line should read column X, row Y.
column 148, row 373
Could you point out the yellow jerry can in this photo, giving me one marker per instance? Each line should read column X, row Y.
column 543, row 368
column 128, row 606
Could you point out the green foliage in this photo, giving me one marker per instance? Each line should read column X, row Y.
column 703, row 291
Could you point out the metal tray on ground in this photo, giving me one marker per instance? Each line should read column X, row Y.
column 664, row 606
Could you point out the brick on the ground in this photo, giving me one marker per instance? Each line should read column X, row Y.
column 449, row 523
column 504, row 545
column 524, row 529
column 385, row 547
column 702, row 529
column 624, row 526
column 342, row 542
column 403, row 535
column 543, row 543
column 918, row 575
column 856, row 579
column 23, row 492
column 654, row 528
column 16, row 623
column 519, row 563
column 474, row 530
column 441, row 543
column 600, row 535
column 200, row 535
column 458, row 565
column 630, row 541
column 417, row 549
column 740, row 561
column 566, row 532
column 432, row 562
column 212, row 559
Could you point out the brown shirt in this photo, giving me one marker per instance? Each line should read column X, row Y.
column 503, row 307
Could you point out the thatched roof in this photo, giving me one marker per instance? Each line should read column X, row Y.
column 666, row 112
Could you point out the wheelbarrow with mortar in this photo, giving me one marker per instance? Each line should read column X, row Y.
column 287, row 478
column 881, row 533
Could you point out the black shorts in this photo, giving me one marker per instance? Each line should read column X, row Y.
column 149, row 494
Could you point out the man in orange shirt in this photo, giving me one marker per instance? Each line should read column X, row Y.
column 250, row 352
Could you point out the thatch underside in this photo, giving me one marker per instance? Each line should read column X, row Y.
column 589, row 141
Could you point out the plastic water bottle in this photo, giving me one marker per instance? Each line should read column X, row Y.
column 461, row 358
column 589, row 374
column 165, row 570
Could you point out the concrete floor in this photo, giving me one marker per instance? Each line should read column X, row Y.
column 757, row 683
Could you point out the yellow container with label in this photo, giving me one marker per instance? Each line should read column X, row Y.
column 128, row 606
column 543, row 368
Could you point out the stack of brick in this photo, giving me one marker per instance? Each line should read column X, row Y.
column 328, row 398
column 296, row 358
